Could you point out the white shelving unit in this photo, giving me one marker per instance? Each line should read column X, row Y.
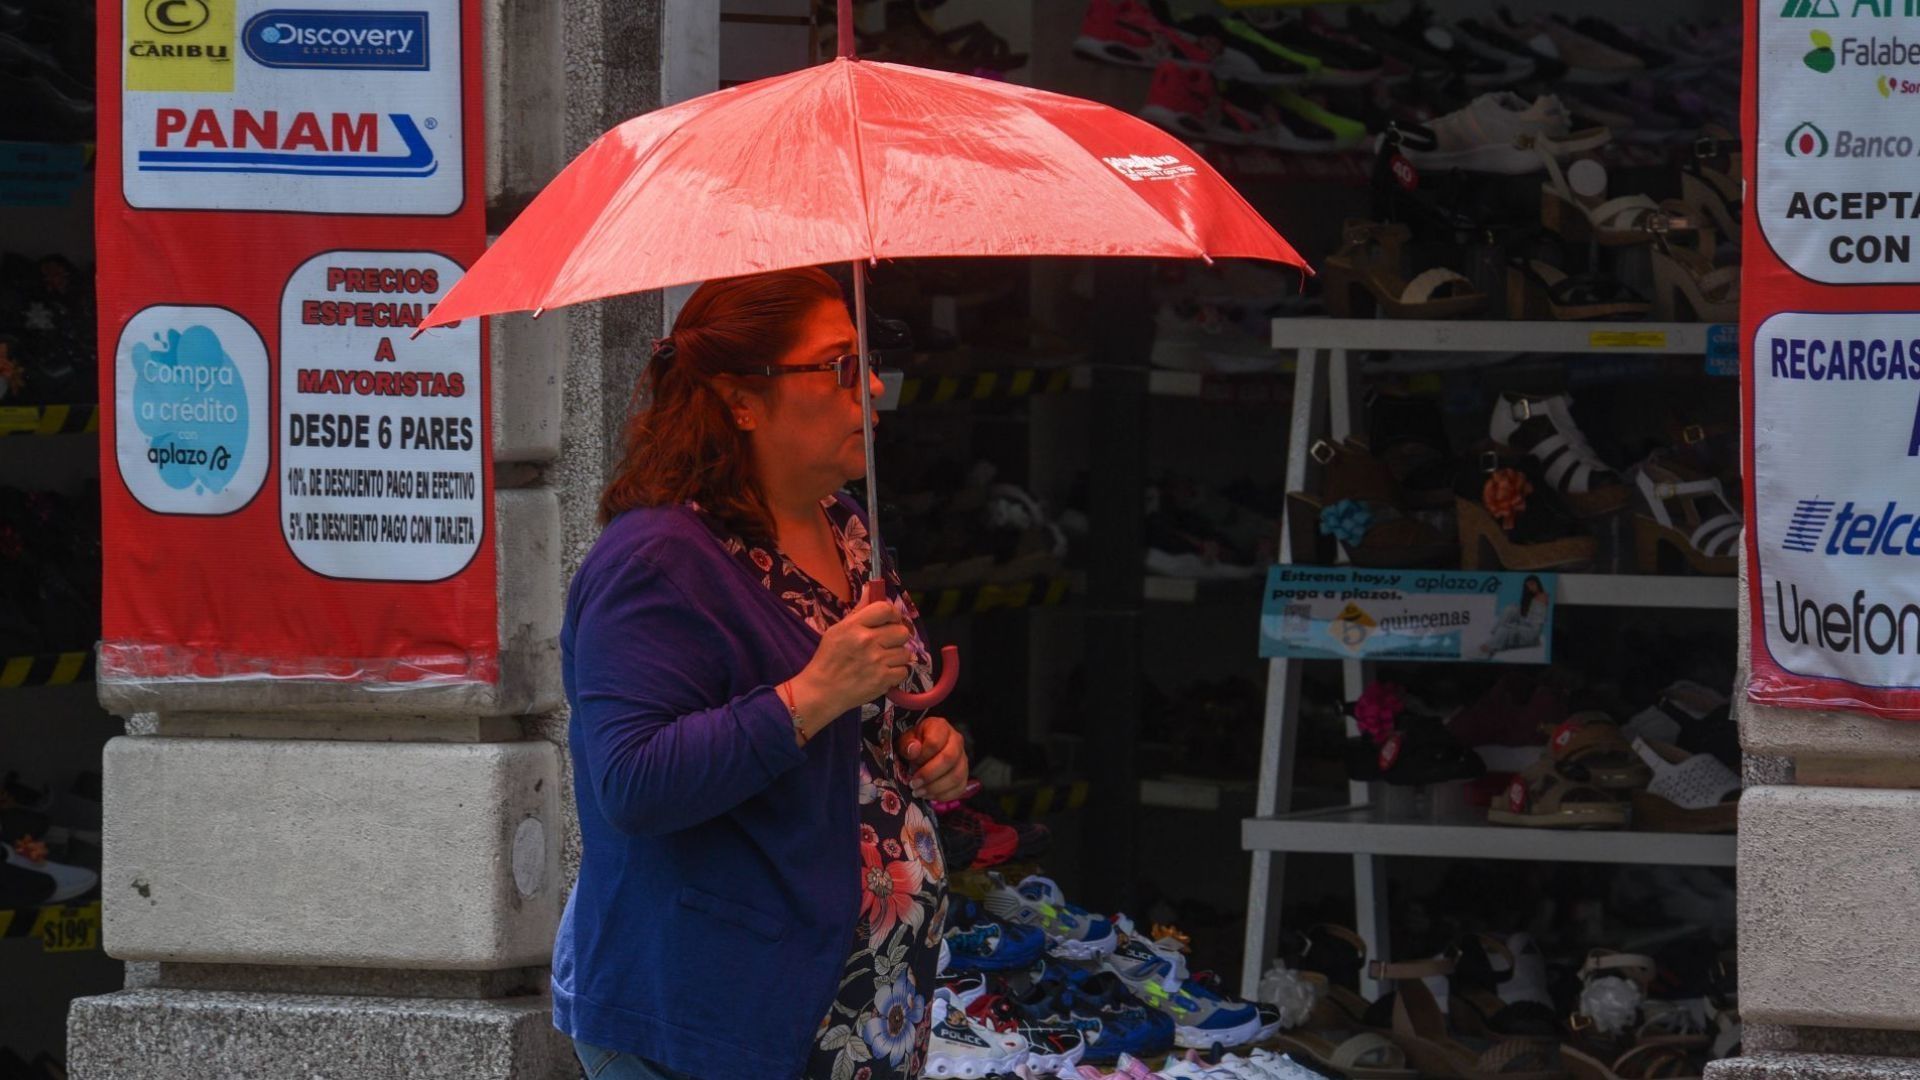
column 1327, row 393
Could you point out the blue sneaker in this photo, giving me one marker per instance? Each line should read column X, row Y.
column 1111, row 1019
column 1156, row 973
column 978, row 943
column 1073, row 932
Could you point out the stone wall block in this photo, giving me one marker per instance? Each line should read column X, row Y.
column 431, row 856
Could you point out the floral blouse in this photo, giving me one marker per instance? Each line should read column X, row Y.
column 877, row 1027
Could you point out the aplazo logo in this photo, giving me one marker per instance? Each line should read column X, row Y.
column 296, row 144
column 1807, row 140
column 343, row 40
column 177, row 16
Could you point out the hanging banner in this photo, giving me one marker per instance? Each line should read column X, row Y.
column 1832, row 353
column 293, row 487
column 1347, row 613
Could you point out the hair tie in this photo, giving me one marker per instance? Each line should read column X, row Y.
column 662, row 348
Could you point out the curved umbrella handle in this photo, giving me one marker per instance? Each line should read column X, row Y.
column 949, row 666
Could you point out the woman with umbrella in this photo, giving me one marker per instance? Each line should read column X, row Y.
column 761, row 890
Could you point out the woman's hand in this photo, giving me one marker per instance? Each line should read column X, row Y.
column 936, row 759
column 860, row 657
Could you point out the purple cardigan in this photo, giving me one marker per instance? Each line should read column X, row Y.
column 719, row 877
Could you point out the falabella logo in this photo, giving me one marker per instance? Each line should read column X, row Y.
column 1807, row 141
column 1810, row 9
column 1821, row 58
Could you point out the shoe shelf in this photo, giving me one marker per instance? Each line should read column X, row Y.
column 49, row 420
column 1254, row 388
column 1576, row 590
column 46, row 669
column 946, row 603
column 62, row 928
column 1369, row 830
column 1492, row 336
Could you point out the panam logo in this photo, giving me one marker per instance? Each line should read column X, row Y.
column 343, row 40
column 1140, row 167
column 296, row 144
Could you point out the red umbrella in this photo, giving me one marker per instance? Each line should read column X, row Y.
column 857, row 161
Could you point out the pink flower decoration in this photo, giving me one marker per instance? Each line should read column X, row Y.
column 1379, row 706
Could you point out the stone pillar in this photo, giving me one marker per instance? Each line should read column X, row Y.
column 1829, row 895
column 335, row 884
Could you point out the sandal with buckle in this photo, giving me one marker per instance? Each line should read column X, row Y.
column 1545, row 797
column 1594, row 743
column 1543, row 427
column 1540, row 290
column 1509, row 517
column 1692, row 519
column 1364, row 276
column 1362, row 509
column 1421, row 1030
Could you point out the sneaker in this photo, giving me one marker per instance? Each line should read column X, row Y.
column 1345, row 61
column 1282, row 120
column 29, row 879
column 1129, row 33
column 1110, row 1020
column 1191, row 1067
column 1269, row 1014
column 1156, row 974
column 1054, row 1044
column 1072, row 932
column 1500, row 132
column 960, row 1046
column 982, row 944
column 1179, row 100
column 964, row 988
column 1250, row 56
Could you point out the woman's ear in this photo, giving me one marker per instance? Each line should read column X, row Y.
column 743, row 408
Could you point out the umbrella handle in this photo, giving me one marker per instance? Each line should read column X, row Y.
column 949, row 666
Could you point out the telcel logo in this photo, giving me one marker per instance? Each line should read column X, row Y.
column 1852, row 531
column 343, row 40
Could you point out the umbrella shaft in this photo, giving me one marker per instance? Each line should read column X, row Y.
column 845, row 16
column 866, row 408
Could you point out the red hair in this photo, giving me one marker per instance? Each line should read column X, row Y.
column 682, row 442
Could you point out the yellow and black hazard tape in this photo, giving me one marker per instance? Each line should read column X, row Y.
column 49, row 419
column 984, row 386
column 1043, row 800
column 979, row 599
column 46, row 669
column 67, row 928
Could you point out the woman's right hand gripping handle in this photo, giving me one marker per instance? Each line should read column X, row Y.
column 860, row 658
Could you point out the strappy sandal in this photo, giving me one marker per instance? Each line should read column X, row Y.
column 1474, row 1004
column 1543, row 797
column 1543, row 428
column 1366, row 1055
column 1509, row 516
column 1329, row 956
column 1710, row 182
column 1687, row 287
column 1602, row 1024
column 1362, row 510
column 1592, row 743
column 1689, row 793
column 1690, row 518
column 1652, row 1059
column 1623, row 221
column 1421, row 1030
column 1538, row 290
column 1364, row 275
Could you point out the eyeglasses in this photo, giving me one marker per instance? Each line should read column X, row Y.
column 846, row 369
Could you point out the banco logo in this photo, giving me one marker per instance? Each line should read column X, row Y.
column 1807, row 140
column 343, row 40
column 177, row 16
column 288, row 144
column 1850, row 530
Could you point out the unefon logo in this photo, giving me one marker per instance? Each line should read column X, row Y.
column 294, row 144
column 177, row 16
column 1806, row 141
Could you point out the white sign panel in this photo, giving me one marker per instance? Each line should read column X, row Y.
column 190, row 409
column 1839, row 138
column 381, row 437
column 1836, row 445
column 325, row 106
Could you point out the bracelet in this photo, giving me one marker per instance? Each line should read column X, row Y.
column 785, row 690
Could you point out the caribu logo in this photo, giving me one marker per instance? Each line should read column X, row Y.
column 343, row 40
column 1822, row 526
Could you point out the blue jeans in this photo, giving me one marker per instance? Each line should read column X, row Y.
column 615, row 1065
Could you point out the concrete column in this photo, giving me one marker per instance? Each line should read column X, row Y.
column 1829, row 895
column 322, row 882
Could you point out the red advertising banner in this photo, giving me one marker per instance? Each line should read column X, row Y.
column 293, row 487
column 1830, row 318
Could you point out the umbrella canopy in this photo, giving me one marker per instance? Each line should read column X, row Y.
column 849, row 161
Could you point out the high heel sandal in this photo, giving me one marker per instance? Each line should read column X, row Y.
column 1543, row 428
column 1716, row 191
column 1506, row 519
column 1687, row 287
column 1365, row 274
column 1421, row 1030
column 1690, row 518
column 1627, row 220
column 1537, row 290
column 1361, row 508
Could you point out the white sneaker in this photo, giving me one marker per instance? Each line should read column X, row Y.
column 44, row 882
column 1500, row 132
column 961, row 1047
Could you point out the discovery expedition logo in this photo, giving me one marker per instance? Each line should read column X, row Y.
column 342, row 40
column 288, row 144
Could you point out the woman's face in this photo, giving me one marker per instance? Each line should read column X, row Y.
column 807, row 430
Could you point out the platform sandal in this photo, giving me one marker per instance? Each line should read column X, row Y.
column 1330, row 956
column 1538, row 290
column 1544, row 797
column 1364, row 276
column 1710, row 185
column 1420, row 1028
column 1687, row 287
column 1580, row 218
column 1543, row 427
column 1362, row 510
column 1474, row 1005
column 1689, row 793
column 1593, row 743
column 1691, row 519
column 1509, row 518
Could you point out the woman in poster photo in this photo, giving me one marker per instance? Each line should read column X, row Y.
column 1521, row 625
column 762, row 892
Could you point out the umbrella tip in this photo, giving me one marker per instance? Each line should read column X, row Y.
column 539, row 311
